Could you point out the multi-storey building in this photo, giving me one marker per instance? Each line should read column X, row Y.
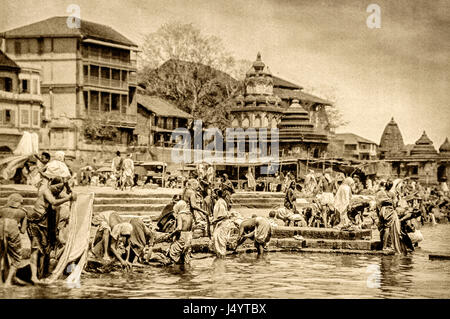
column 20, row 102
column 356, row 147
column 88, row 73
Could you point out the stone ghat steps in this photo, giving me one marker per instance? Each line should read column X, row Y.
column 323, row 233
column 203, row 245
column 151, row 209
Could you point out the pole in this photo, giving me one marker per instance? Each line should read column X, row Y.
column 239, row 184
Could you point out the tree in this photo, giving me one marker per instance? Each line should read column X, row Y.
column 335, row 117
column 182, row 65
column 96, row 129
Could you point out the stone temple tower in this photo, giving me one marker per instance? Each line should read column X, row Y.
column 391, row 143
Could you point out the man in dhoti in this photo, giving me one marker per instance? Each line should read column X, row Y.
column 261, row 232
column 10, row 249
column 180, row 249
column 112, row 238
column 141, row 241
column 13, row 210
column 128, row 172
column 40, row 228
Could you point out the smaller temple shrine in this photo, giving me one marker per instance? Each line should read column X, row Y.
column 297, row 134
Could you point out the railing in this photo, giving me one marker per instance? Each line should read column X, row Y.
column 96, row 81
column 113, row 117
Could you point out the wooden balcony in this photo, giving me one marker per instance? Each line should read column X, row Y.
column 114, row 118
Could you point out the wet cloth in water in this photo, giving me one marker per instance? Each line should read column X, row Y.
column 222, row 234
column 180, row 249
column 139, row 236
column 10, row 244
column 263, row 230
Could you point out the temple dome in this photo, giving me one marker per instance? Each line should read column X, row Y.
column 391, row 140
column 295, row 116
column 445, row 147
column 423, row 146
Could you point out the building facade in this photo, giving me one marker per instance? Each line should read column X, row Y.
column 355, row 147
column 20, row 102
column 88, row 73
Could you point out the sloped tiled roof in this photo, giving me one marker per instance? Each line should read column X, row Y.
column 160, row 107
column 350, row 138
column 5, row 61
column 279, row 82
column 58, row 27
column 299, row 95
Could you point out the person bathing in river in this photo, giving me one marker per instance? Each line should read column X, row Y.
column 193, row 200
column 10, row 249
column 141, row 241
column 13, row 210
column 112, row 237
column 223, row 225
column 179, row 251
column 39, row 228
column 258, row 229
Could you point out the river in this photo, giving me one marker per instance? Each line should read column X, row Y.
column 275, row 275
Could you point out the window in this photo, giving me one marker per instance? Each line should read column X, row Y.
column 24, row 117
column 25, row 86
column 415, row 170
column 9, row 117
column 350, row 147
column 17, row 47
column 35, row 118
column 40, row 45
column 94, row 106
column 105, row 102
column 124, row 103
column 6, row 84
column 115, row 102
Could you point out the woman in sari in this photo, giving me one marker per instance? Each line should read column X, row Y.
column 342, row 201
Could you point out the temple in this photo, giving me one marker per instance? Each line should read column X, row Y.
column 391, row 143
column 271, row 102
column 419, row 162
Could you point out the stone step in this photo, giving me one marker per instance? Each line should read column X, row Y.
column 122, row 201
column 203, row 245
column 339, row 244
column 257, row 195
column 25, row 194
column 130, row 207
column 323, row 233
column 256, row 205
column 144, row 215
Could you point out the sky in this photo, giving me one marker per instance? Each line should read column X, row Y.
column 400, row 70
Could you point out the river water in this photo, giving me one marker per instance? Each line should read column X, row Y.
column 275, row 275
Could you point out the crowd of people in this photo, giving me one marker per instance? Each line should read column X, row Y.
column 45, row 224
column 397, row 207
